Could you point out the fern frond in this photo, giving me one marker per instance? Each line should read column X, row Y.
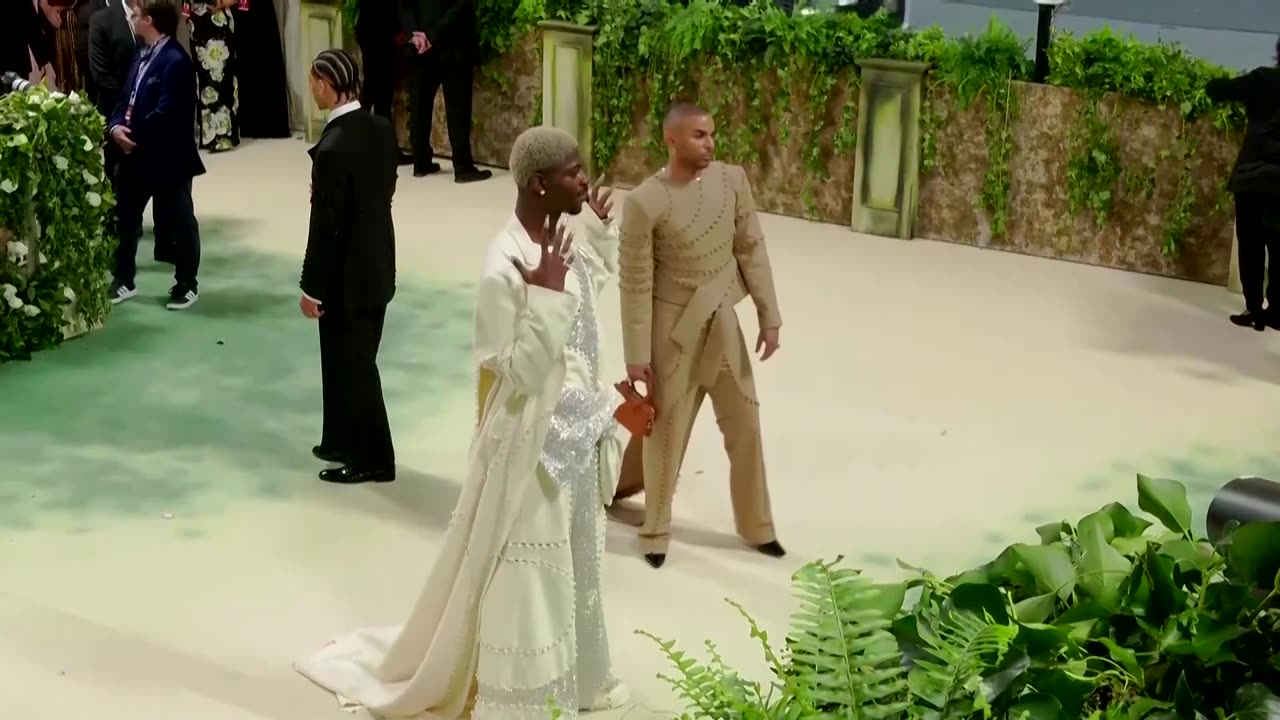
column 962, row 646
column 842, row 654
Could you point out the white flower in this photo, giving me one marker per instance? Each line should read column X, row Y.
column 88, row 144
column 89, row 178
column 19, row 140
column 31, row 310
column 68, row 293
column 42, row 258
column 57, row 95
column 8, row 291
column 75, row 98
column 94, row 198
column 14, row 302
column 8, row 185
column 17, row 251
column 60, row 162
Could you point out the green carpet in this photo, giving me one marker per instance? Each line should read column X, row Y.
column 163, row 411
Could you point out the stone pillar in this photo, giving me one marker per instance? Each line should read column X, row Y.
column 320, row 24
column 886, row 171
column 1233, row 278
column 566, row 82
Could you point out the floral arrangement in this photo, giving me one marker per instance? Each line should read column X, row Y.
column 56, row 231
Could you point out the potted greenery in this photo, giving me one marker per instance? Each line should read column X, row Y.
column 1109, row 618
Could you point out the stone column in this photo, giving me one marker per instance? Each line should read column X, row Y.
column 320, row 24
column 566, row 82
column 886, row 171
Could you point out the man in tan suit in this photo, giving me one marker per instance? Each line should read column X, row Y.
column 692, row 248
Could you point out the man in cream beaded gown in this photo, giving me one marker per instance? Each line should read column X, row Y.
column 692, row 248
column 510, row 621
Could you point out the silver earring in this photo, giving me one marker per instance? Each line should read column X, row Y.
column 542, row 192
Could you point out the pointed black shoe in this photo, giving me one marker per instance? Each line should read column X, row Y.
column 430, row 169
column 331, row 456
column 772, row 548
column 471, row 175
column 655, row 560
column 1255, row 320
column 354, row 475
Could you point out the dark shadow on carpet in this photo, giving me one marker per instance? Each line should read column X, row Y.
column 161, row 411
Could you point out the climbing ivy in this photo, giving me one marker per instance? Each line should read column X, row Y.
column 791, row 84
column 1163, row 75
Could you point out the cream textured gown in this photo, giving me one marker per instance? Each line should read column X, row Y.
column 512, row 608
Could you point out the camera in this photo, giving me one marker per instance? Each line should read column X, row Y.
column 13, row 82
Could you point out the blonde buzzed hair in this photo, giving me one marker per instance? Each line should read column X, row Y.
column 538, row 149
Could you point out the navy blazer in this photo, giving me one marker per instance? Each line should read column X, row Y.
column 164, row 115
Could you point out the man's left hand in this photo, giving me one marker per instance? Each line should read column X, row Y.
column 601, row 200
column 311, row 309
column 767, row 343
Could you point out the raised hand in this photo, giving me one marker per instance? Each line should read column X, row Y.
column 556, row 243
column 601, row 200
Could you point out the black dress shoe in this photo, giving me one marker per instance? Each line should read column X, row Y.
column 406, row 158
column 431, row 169
column 1255, row 320
column 470, row 175
column 333, row 456
column 655, row 560
column 772, row 548
column 354, row 475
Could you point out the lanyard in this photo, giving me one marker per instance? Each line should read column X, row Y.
column 149, row 54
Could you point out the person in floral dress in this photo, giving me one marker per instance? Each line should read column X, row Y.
column 213, row 49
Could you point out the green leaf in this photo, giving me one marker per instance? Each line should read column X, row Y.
column 1053, row 532
column 1102, row 569
column 1070, row 689
column 1184, row 701
column 1036, row 609
column 1167, row 501
column 884, row 599
column 1050, row 566
column 1037, row 706
column 1254, row 553
column 1127, row 525
column 980, row 599
column 1140, row 708
column 1125, row 658
column 1255, row 702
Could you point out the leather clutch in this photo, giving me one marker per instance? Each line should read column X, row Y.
column 636, row 412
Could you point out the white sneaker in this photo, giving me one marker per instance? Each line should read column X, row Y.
column 612, row 699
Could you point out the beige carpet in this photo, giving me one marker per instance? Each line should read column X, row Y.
column 165, row 550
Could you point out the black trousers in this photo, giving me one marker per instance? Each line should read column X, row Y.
column 435, row 72
column 174, row 212
column 379, row 59
column 355, row 416
column 1258, row 235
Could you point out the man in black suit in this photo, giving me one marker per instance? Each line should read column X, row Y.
column 444, row 36
column 152, row 126
column 349, row 273
column 84, row 14
column 1256, row 185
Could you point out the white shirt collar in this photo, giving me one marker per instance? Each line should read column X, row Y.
column 343, row 110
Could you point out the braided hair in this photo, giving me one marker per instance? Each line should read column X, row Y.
column 338, row 69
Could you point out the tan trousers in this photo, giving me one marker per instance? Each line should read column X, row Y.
column 679, row 396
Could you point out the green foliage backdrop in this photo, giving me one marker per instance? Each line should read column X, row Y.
column 56, row 258
column 787, row 76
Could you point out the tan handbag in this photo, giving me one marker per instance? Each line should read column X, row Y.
column 636, row 413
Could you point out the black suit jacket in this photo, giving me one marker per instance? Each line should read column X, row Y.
column 351, row 243
column 450, row 25
column 23, row 28
column 1258, row 167
column 164, row 114
column 379, row 22
column 84, row 14
column 111, row 50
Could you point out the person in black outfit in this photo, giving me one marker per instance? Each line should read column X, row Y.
column 376, row 30
column 264, row 94
column 152, row 126
column 444, row 35
column 84, row 14
column 1255, row 183
column 349, row 272
column 24, row 30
